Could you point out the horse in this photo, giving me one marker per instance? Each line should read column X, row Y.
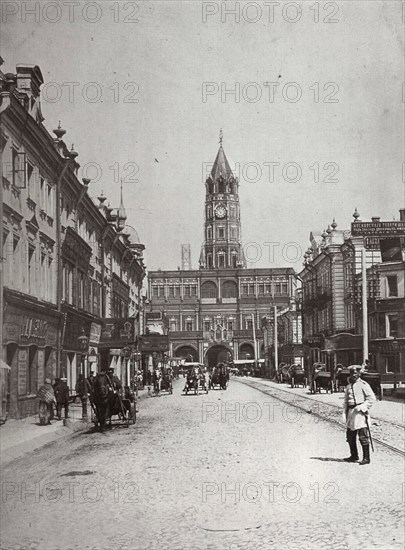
column 157, row 380
column 192, row 381
column 219, row 376
column 103, row 399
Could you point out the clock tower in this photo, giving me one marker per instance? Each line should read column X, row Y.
column 222, row 247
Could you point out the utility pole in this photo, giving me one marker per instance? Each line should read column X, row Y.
column 254, row 337
column 275, row 339
column 364, row 302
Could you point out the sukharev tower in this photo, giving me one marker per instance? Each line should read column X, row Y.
column 215, row 313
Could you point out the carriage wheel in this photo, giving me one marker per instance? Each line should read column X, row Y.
column 314, row 387
column 171, row 389
column 133, row 412
column 292, row 382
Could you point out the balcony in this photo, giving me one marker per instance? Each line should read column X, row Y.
column 189, row 334
column 247, row 333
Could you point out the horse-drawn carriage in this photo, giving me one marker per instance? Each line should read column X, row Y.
column 163, row 380
column 341, row 378
column 297, row 376
column 283, row 373
column 320, row 379
column 219, row 377
column 107, row 400
column 374, row 379
column 195, row 379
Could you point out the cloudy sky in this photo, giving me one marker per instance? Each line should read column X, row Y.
column 308, row 94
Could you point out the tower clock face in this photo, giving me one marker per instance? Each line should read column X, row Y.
column 220, row 211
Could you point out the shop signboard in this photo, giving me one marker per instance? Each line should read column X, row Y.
column 378, row 229
column 22, row 371
column 153, row 343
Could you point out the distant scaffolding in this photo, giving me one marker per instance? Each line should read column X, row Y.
column 185, row 257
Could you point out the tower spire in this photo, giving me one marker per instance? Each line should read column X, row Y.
column 122, row 216
column 221, row 137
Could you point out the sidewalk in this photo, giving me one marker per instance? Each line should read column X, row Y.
column 387, row 410
column 18, row 437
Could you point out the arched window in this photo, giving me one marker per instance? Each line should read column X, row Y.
column 221, row 259
column 221, row 186
column 209, row 290
column 229, row 289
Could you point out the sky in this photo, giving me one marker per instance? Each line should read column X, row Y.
column 309, row 96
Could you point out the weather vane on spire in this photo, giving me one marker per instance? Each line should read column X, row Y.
column 221, row 136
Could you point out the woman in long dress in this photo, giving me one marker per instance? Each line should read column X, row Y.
column 46, row 400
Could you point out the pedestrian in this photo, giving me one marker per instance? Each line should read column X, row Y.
column 46, row 400
column 358, row 399
column 62, row 397
column 115, row 381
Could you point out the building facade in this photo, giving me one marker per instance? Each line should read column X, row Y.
column 331, row 284
column 214, row 313
column 68, row 264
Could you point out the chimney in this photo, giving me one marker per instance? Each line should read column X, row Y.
column 29, row 80
column 375, row 219
column 402, row 215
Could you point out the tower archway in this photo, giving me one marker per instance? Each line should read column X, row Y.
column 219, row 353
column 188, row 353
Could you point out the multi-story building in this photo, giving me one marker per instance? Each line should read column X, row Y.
column 331, row 280
column 69, row 267
column 214, row 313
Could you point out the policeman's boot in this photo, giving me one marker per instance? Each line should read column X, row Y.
column 366, row 455
column 354, row 455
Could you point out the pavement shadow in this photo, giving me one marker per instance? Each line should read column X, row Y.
column 327, row 459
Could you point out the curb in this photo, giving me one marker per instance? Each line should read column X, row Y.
column 68, row 428
column 17, row 451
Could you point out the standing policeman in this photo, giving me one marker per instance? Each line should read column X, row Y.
column 358, row 399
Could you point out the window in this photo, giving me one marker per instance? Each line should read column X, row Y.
column 245, row 289
column 221, row 260
column 221, row 232
column 172, row 325
column 187, row 291
column 209, row 261
column 230, row 324
column 229, row 289
column 209, row 233
column 31, row 269
column 392, row 325
column 189, row 325
column 207, row 326
column 248, row 323
column 392, row 284
column 171, row 291
column 234, row 233
column 208, row 290
column 49, row 200
column 193, row 290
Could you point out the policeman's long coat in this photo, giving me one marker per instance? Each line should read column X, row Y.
column 364, row 396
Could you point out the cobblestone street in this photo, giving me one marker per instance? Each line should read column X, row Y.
column 233, row 469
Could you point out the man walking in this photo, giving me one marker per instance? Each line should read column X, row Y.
column 62, row 398
column 358, row 399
